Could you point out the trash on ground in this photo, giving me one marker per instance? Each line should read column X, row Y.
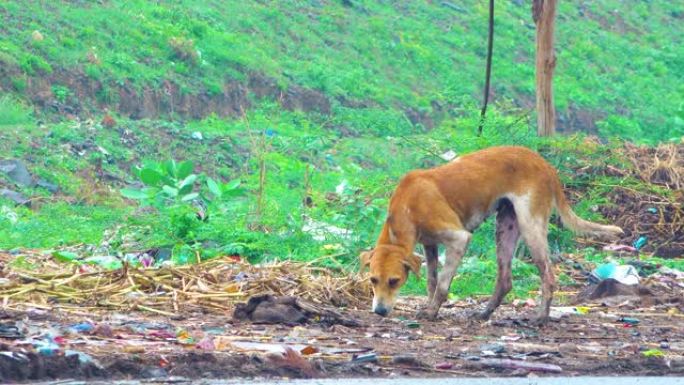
column 629, row 320
column 653, row 353
column 626, row 248
column 515, row 364
column 640, row 242
column 370, row 357
column 625, row 274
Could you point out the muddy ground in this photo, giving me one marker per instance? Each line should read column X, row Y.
column 141, row 345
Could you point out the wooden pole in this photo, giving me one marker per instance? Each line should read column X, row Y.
column 544, row 13
column 488, row 72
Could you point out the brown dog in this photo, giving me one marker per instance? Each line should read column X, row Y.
column 444, row 204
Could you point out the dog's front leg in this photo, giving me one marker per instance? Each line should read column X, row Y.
column 456, row 242
column 431, row 256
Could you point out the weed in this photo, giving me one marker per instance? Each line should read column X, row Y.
column 13, row 112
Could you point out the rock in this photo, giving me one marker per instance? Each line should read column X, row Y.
column 37, row 36
column 15, row 197
column 408, row 360
column 268, row 309
column 16, row 170
column 617, row 292
column 51, row 187
column 153, row 372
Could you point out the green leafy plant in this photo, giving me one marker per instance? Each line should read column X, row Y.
column 165, row 183
column 61, row 93
column 224, row 195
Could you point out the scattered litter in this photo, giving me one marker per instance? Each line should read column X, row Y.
column 679, row 275
column 514, row 364
column 15, row 356
column 291, row 360
column 629, row 320
column 66, row 256
column 197, row 135
column 206, row 343
column 320, row 231
column 640, row 242
column 83, row 327
column 107, row 262
column 492, row 349
column 224, row 343
column 449, row 155
column 83, row 358
column 653, row 353
column 183, row 337
column 132, row 349
column 308, row 350
column 628, row 248
column 370, row 357
column 46, row 348
column 526, row 303
column 444, row 366
column 10, row 331
column 625, row 274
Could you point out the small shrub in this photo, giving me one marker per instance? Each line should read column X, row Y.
column 184, row 49
column 61, row 93
column 13, row 112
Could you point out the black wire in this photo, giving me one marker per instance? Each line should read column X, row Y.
column 490, row 46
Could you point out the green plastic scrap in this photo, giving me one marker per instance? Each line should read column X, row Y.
column 653, row 353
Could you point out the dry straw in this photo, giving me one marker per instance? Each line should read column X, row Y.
column 210, row 286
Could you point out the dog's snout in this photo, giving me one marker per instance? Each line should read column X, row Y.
column 381, row 310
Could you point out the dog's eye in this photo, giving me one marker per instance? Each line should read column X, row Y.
column 374, row 280
column 393, row 282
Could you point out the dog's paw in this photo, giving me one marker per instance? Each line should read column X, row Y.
column 480, row 316
column 538, row 321
column 426, row 314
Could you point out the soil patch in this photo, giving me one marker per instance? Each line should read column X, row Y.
column 145, row 345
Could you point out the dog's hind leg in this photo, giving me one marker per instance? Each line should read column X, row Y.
column 534, row 229
column 432, row 262
column 507, row 235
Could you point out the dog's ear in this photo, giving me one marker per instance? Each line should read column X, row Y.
column 413, row 262
column 365, row 258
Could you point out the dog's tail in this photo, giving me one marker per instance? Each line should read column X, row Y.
column 579, row 225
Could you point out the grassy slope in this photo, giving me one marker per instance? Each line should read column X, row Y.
column 395, row 57
column 625, row 67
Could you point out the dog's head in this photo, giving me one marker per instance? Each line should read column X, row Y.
column 389, row 269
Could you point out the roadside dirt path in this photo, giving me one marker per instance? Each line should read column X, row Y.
column 110, row 345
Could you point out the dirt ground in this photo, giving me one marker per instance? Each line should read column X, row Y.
column 113, row 345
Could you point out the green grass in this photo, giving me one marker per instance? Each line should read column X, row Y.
column 300, row 154
column 55, row 225
column 14, row 113
column 624, row 69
